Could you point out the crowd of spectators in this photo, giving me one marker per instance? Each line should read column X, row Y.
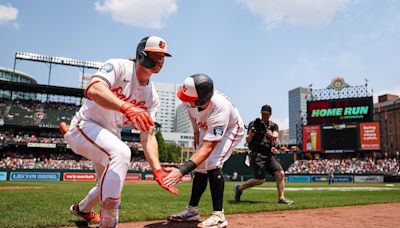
column 21, row 137
column 37, row 113
column 29, row 137
column 58, row 161
column 390, row 166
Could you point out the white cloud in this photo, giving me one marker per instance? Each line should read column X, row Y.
column 8, row 14
column 139, row 13
column 295, row 12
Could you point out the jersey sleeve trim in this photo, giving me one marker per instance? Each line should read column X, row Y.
column 87, row 89
column 104, row 79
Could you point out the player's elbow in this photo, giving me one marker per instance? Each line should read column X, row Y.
column 95, row 89
column 90, row 93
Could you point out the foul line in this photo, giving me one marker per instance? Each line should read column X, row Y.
column 342, row 189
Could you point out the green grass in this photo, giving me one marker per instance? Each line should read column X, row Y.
column 46, row 203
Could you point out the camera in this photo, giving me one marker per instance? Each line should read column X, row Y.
column 259, row 127
column 260, row 141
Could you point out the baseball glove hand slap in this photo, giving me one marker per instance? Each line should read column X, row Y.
column 137, row 116
column 159, row 176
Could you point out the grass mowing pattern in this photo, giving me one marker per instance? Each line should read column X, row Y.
column 47, row 203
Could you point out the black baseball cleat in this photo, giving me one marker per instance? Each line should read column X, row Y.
column 237, row 192
column 285, row 201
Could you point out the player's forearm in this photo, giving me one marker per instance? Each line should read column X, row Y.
column 150, row 147
column 103, row 96
column 203, row 153
column 200, row 156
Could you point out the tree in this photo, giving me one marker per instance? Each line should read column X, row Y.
column 162, row 150
column 168, row 152
column 174, row 152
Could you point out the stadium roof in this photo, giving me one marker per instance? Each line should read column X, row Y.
column 19, row 73
column 37, row 88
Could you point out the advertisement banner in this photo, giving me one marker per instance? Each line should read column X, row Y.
column 79, row 176
column 370, row 136
column 133, row 177
column 149, row 177
column 368, row 179
column 324, row 178
column 312, row 138
column 299, row 179
column 35, row 176
column 3, row 176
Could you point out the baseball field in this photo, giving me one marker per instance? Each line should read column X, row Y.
column 46, row 204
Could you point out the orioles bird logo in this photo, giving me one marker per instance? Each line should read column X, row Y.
column 161, row 44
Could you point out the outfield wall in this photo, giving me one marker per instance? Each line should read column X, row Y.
column 67, row 175
column 90, row 175
column 337, row 178
column 62, row 175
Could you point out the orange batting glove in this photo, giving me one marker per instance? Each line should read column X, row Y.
column 159, row 176
column 137, row 116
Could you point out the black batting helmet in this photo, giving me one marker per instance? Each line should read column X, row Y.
column 198, row 88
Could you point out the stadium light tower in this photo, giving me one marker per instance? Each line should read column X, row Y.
column 56, row 60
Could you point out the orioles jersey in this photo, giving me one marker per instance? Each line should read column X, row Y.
column 120, row 75
column 220, row 119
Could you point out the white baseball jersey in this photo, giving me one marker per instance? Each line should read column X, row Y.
column 121, row 77
column 220, row 121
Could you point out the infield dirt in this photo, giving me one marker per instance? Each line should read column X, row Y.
column 375, row 215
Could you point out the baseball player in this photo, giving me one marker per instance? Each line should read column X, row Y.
column 218, row 128
column 119, row 93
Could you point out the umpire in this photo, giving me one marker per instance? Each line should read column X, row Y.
column 261, row 137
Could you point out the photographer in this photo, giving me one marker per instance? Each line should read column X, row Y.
column 261, row 137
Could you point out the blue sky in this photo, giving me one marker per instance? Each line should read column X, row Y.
column 255, row 50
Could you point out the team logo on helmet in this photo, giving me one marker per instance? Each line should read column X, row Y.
column 161, row 44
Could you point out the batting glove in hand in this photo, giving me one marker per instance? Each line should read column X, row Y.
column 137, row 115
column 159, row 176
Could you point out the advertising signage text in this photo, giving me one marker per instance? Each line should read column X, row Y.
column 370, row 136
column 340, row 111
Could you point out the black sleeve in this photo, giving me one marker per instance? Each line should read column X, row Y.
column 274, row 127
column 251, row 124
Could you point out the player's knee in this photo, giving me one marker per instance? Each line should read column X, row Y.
column 280, row 174
column 123, row 155
column 259, row 181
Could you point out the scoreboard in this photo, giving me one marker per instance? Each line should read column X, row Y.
column 336, row 111
column 346, row 137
